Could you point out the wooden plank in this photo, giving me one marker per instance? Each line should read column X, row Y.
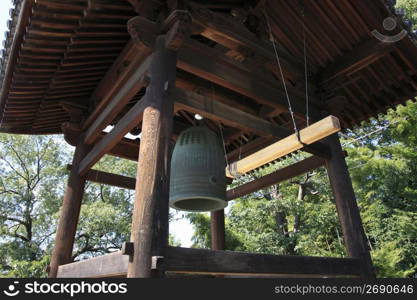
column 297, row 169
column 110, row 265
column 109, row 179
column 308, row 135
column 202, row 261
column 347, row 208
column 125, row 124
column 149, row 232
column 228, row 262
column 69, row 214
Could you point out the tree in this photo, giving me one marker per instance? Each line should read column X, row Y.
column 410, row 8
column 30, row 185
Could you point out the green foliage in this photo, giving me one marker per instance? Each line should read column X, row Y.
column 202, row 232
column 32, row 184
column 173, row 241
column 410, row 7
column 387, row 259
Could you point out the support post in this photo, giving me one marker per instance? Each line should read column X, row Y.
column 150, row 214
column 217, row 230
column 347, row 209
column 70, row 211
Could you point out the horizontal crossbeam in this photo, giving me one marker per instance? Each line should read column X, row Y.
column 202, row 261
column 292, row 143
column 297, row 169
column 109, row 179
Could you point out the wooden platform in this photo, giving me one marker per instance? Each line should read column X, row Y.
column 201, row 261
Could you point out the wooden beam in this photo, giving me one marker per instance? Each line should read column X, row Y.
column 235, row 36
column 146, row 8
column 128, row 74
column 227, row 262
column 297, row 169
column 69, row 214
column 125, row 124
column 308, row 135
column 126, row 149
column 359, row 58
column 218, row 236
column 217, row 68
column 109, row 265
column 214, row 110
column 126, row 77
column 127, row 90
column 109, row 179
column 201, row 261
column 347, row 208
column 149, row 233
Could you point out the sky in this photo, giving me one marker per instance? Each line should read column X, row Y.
column 181, row 228
column 5, row 5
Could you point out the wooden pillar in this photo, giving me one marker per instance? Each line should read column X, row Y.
column 347, row 208
column 70, row 211
column 150, row 214
column 217, row 230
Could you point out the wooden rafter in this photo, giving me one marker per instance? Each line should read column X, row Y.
column 359, row 58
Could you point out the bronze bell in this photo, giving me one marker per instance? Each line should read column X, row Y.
column 198, row 179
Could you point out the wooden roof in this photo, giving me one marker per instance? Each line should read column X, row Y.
column 59, row 52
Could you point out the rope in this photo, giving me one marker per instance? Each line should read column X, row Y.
column 221, row 133
column 272, row 38
column 224, row 145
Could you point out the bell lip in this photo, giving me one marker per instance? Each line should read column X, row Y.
column 223, row 203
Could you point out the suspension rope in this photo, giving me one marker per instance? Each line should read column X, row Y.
column 272, row 39
column 230, row 167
